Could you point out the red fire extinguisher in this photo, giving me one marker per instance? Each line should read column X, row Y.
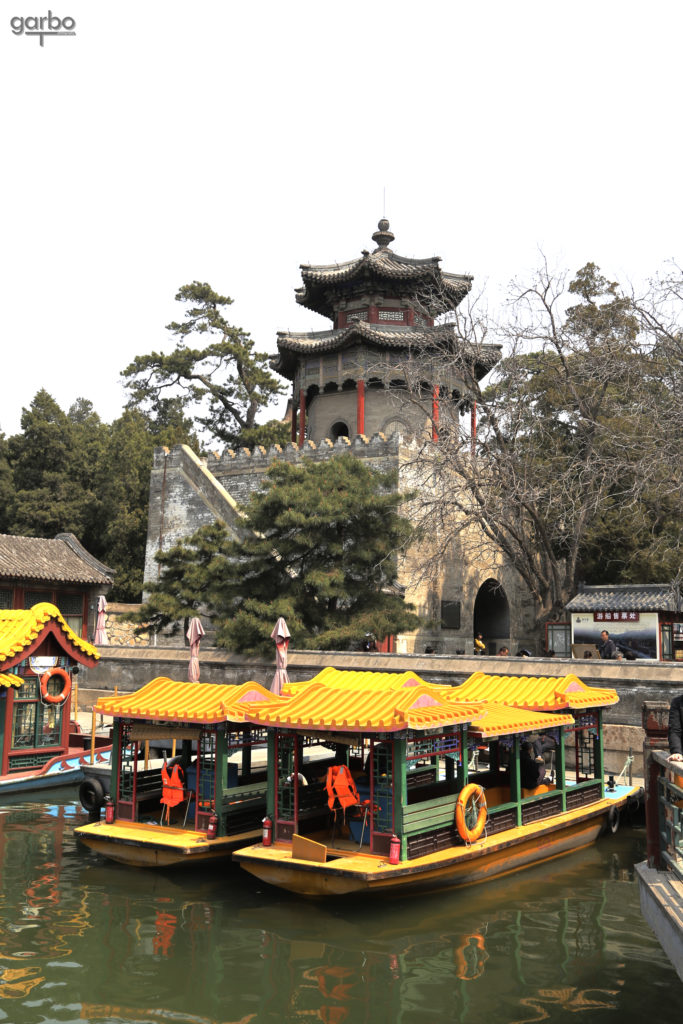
column 267, row 831
column 109, row 811
column 212, row 827
column 394, row 850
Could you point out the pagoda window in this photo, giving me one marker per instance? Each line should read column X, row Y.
column 393, row 315
column 356, row 314
column 5, row 599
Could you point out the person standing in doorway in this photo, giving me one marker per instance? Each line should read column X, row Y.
column 479, row 645
column 607, row 646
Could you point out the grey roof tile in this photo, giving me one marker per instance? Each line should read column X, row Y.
column 61, row 560
column 646, row 597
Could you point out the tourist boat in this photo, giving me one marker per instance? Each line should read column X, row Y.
column 187, row 781
column 40, row 747
column 425, row 786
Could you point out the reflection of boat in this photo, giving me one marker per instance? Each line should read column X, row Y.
column 39, row 749
column 410, row 810
column 206, row 801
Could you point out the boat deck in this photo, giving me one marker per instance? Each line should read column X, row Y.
column 339, row 867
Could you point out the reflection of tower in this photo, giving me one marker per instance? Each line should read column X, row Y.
column 351, row 379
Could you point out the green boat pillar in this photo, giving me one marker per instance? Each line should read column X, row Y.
column 516, row 781
column 400, row 794
column 560, row 769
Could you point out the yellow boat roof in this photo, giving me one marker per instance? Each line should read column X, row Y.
column 321, row 708
column 501, row 720
column 165, row 700
column 347, row 679
column 7, row 679
column 23, row 630
column 537, row 693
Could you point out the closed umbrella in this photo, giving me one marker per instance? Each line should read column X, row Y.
column 281, row 637
column 194, row 634
column 101, row 638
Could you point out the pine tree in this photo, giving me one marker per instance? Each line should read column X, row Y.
column 319, row 547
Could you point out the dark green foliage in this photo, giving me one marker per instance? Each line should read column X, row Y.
column 225, row 381
column 319, row 548
column 73, row 473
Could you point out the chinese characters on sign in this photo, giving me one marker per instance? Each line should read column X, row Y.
column 616, row 616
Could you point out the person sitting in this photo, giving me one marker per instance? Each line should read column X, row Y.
column 504, row 652
column 531, row 767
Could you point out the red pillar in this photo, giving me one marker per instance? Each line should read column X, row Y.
column 473, row 427
column 435, row 413
column 293, row 416
column 302, row 417
column 360, row 407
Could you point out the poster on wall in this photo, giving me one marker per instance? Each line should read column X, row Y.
column 635, row 637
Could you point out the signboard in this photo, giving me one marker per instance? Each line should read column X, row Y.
column 43, row 664
column 634, row 638
column 616, row 616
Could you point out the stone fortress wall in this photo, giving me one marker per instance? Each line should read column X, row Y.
column 187, row 492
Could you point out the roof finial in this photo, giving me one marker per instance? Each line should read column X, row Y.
column 383, row 236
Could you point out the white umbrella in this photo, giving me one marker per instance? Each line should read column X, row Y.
column 281, row 637
column 194, row 634
column 101, row 638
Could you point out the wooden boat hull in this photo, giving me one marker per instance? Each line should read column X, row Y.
column 63, row 770
column 142, row 845
column 490, row 857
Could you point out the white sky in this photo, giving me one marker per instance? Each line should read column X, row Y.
column 231, row 141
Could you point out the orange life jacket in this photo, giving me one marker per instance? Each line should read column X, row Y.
column 173, row 790
column 340, row 786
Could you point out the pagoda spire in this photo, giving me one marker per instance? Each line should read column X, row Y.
column 383, row 236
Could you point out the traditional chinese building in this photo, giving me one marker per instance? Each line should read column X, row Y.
column 372, row 382
column 644, row 620
column 383, row 338
column 58, row 570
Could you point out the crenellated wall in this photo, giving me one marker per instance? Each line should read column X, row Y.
column 187, row 492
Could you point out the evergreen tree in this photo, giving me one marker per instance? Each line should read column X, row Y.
column 319, row 547
column 225, row 381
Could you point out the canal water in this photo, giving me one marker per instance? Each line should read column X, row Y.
column 85, row 940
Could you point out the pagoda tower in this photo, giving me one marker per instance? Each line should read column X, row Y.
column 387, row 337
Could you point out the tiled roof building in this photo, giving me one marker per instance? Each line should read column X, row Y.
column 59, row 571
column 383, row 335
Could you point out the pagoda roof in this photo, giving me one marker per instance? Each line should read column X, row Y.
column 383, row 268
column 293, row 345
column 22, row 631
column 167, row 700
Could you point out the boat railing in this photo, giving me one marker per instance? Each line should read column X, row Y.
column 670, row 812
column 663, row 794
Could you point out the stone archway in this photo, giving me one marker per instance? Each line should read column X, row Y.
column 492, row 612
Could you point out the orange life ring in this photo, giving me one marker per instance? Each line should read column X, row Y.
column 55, row 698
column 476, row 795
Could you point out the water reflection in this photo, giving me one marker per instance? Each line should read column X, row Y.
column 82, row 939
